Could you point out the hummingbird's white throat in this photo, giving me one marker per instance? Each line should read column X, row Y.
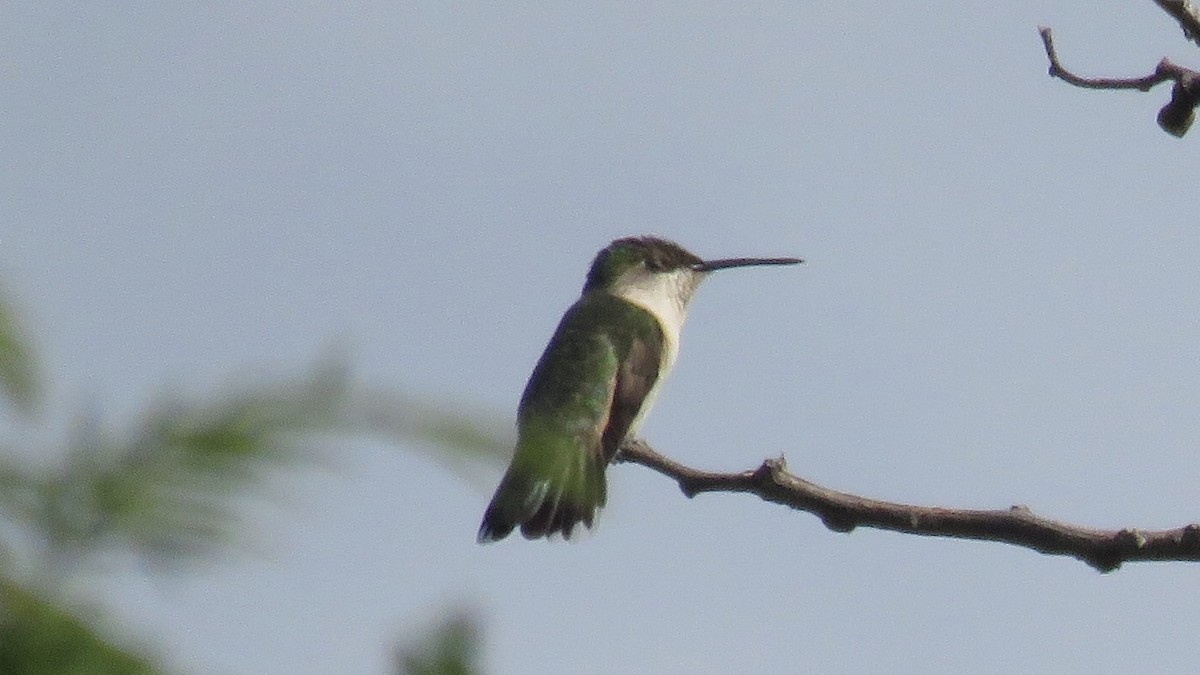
column 665, row 295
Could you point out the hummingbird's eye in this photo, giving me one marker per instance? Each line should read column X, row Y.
column 655, row 265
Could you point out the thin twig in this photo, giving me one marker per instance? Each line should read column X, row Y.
column 1105, row 550
column 1177, row 115
column 1164, row 72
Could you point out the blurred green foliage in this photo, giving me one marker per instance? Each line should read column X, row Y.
column 451, row 649
column 18, row 374
column 38, row 638
column 165, row 491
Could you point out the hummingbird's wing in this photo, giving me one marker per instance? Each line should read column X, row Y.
column 580, row 402
column 636, row 378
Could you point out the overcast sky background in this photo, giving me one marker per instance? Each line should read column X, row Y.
column 1000, row 306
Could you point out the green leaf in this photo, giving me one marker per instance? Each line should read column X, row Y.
column 18, row 372
column 459, row 433
column 169, row 489
column 38, row 638
column 451, row 649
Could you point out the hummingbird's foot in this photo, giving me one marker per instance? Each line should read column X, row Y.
column 632, row 442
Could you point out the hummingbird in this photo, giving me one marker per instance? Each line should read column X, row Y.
column 595, row 382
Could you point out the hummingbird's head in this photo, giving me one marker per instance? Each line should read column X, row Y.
column 636, row 260
column 641, row 266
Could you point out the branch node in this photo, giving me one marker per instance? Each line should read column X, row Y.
column 1021, row 510
column 1131, row 537
column 1177, row 115
column 769, row 470
column 1105, row 562
column 1189, row 536
column 838, row 521
column 688, row 488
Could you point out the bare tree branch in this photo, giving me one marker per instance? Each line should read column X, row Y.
column 1105, row 550
column 1161, row 74
column 1177, row 115
column 1186, row 14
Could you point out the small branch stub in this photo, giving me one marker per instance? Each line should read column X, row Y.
column 1177, row 115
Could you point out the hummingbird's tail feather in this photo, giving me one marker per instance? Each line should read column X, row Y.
column 546, row 491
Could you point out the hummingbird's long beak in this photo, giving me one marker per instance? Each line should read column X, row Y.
column 710, row 265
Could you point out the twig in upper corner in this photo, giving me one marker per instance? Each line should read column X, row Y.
column 1176, row 116
column 1165, row 71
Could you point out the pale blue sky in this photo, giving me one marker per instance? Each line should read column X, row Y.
column 1000, row 306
